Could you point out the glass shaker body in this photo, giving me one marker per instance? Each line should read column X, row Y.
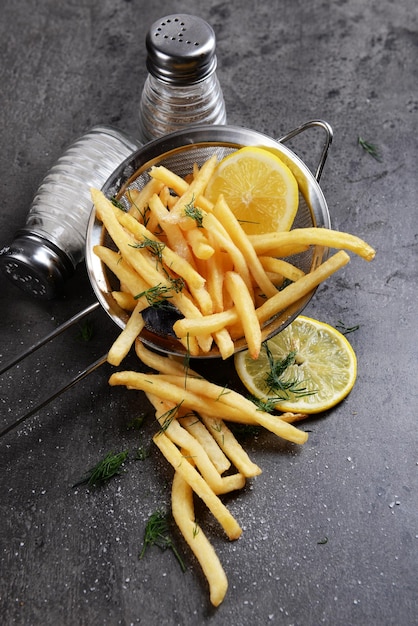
column 46, row 251
column 182, row 88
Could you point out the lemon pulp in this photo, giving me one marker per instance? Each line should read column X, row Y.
column 324, row 369
column 259, row 188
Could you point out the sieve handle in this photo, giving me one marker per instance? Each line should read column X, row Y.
column 328, row 140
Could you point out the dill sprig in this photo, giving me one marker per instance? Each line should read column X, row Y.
column 274, row 381
column 166, row 418
column 86, row 330
column 156, row 296
column 154, row 247
column 190, row 210
column 345, row 330
column 118, row 204
column 104, row 470
column 370, row 148
column 157, row 534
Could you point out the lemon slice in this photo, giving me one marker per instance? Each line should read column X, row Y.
column 323, row 372
column 259, row 188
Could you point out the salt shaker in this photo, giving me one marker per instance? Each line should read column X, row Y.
column 46, row 251
column 182, row 87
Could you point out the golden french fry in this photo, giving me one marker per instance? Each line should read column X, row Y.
column 199, row 244
column 184, row 516
column 125, row 300
column 140, row 263
column 224, row 342
column 191, row 422
column 290, row 294
column 121, row 269
column 281, row 267
column 139, row 200
column 228, row 220
column 172, row 260
column 207, row 324
column 269, row 243
column 198, row 484
column 126, row 338
column 193, row 191
column 231, row 447
column 246, row 312
column 159, row 362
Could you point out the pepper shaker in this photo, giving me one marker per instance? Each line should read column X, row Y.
column 182, row 88
column 46, row 251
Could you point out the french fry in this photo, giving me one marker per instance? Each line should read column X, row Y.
column 138, row 261
column 246, row 312
column 126, row 274
column 228, row 220
column 191, row 422
column 184, row 516
column 272, row 242
column 199, row 244
column 125, row 300
column 198, row 484
column 126, row 338
column 193, row 191
column 139, row 200
column 281, row 267
column 231, row 447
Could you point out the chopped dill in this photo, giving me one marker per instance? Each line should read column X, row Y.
column 156, row 296
column 154, row 247
column 144, row 214
column 190, row 210
column 104, row 470
column 137, row 422
column 157, row 534
column 370, row 149
column 118, row 204
column 142, row 453
column 86, row 330
column 274, row 381
column 345, row 330
column 166, row 418
column 243, row 431
column 177, row 284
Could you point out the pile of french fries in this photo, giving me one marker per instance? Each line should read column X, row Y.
column 173, row 244
column 206, row 457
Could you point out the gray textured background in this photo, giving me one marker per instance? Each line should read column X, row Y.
column 70, row 556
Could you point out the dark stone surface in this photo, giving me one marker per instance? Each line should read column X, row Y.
column 70, row 556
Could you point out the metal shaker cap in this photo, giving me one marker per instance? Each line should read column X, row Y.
column 181, row 49
column 36, row 265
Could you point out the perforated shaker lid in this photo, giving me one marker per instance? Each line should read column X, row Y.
column 181, row 49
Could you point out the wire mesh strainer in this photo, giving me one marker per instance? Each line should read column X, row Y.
column 179, row 152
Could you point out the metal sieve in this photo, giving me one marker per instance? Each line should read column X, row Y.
column 178, row 152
